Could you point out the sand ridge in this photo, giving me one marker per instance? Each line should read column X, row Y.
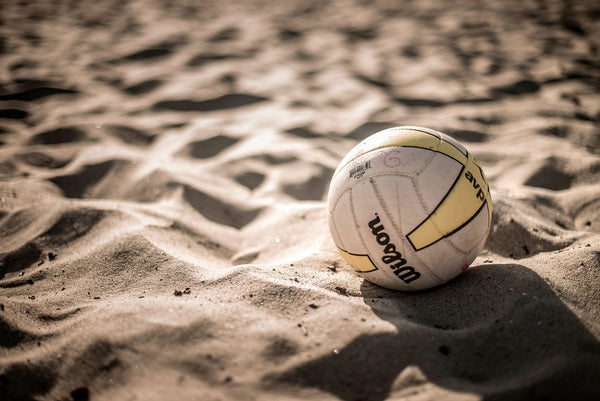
column 163, row 174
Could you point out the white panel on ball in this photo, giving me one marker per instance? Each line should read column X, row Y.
column 401, row 201
column 345, row 227
column 400, row 160
column 443, row 260
column 473, row 234
column 385, row 244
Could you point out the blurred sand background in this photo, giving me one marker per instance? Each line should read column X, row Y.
column 163, row 175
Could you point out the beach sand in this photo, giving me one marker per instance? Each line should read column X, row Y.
column 164, row 168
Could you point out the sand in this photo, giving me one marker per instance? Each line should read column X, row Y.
column 164, row 168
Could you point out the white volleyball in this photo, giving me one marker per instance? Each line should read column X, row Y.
column 409, row 208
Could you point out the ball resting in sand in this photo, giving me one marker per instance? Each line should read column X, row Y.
column 409, row 208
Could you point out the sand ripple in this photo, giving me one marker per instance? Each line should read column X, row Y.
column 163, row 172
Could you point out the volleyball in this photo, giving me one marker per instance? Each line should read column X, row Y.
column 409, row 208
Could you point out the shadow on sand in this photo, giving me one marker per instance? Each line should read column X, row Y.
column 498, row 331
